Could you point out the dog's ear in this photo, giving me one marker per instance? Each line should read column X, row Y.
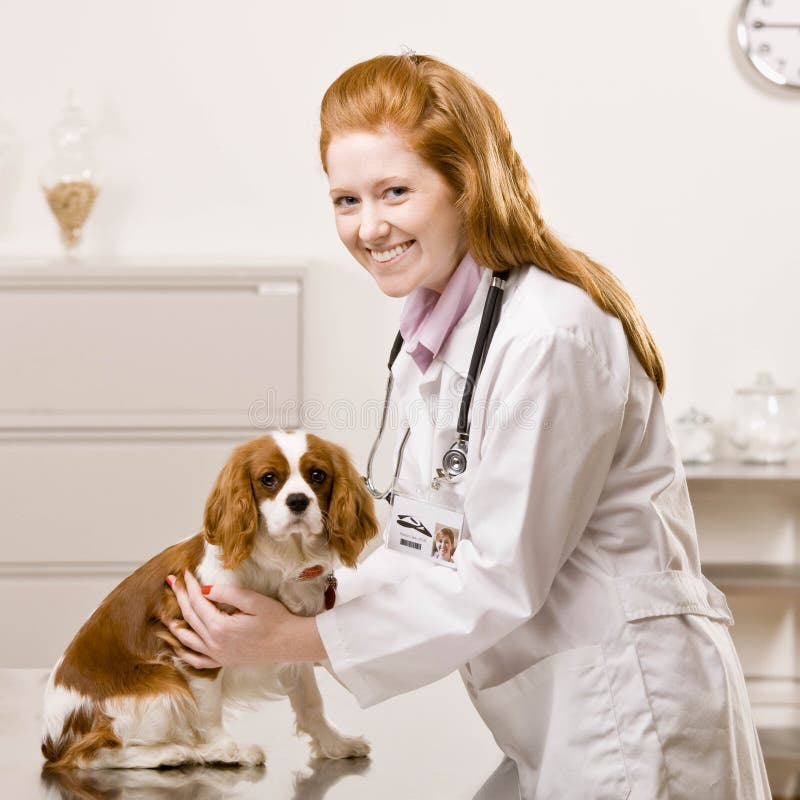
column 351, row 520
column 230, row 520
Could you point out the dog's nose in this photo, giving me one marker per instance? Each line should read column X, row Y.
column 298, row 502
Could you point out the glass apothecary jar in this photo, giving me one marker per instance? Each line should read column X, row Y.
column 695, row 434
column 69, row 178
column 765, row 421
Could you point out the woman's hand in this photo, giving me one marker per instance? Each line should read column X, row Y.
column 260, row 631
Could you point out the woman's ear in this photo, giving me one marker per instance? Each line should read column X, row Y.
column 351, row 520
column 230, row 520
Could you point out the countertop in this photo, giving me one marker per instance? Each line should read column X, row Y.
column 428, row 744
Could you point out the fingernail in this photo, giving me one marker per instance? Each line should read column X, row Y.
column 170, row 580
column 206, row 589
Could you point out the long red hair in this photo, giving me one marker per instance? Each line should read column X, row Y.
column 459, row 130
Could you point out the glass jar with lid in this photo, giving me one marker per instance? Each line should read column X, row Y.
column 69, row 177
column 695, row 437
column 765, row 421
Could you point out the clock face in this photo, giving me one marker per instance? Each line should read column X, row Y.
column 769, row 34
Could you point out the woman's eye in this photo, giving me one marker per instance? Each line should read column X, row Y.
column 395, row 193
column 318, row 476
column 270, row 480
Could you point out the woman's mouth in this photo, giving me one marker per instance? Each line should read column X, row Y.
column 392, row 255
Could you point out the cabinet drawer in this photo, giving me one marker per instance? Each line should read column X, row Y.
column 149, row 348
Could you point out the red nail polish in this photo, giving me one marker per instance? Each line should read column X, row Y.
column 206, row 589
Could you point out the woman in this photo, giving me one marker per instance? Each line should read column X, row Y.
column 444, row 544
column 577, row 615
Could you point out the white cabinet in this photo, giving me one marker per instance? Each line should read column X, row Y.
column 748, row 524
column 123, row 389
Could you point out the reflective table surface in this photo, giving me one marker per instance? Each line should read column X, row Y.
column 426, row 744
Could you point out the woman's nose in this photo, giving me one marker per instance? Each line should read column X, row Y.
column 373, row 226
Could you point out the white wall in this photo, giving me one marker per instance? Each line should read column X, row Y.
column 652, row 145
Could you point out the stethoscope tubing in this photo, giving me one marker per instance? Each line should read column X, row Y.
column 489, row 320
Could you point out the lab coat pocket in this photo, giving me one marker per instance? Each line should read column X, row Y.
column 556, row 720
column 696, row 692
column 671, row 592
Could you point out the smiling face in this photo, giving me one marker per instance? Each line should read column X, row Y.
column 394, row 213
column 444, row 544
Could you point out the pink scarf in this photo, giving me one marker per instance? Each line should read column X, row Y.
column 428, row 317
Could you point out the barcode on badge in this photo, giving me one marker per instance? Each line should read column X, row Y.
column 409, row 543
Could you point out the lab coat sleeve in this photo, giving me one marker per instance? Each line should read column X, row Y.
column 549, row 438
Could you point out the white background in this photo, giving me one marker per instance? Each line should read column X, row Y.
column 652, row 145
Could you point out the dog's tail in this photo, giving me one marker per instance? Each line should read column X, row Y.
column 85, row 730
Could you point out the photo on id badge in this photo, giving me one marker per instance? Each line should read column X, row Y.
column 425, row 530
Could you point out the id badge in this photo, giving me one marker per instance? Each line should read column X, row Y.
column 425, row 523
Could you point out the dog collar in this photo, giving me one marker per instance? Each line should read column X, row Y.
column 311, row 572
column 330, row 583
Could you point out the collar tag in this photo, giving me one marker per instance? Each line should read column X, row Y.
column 330, row 591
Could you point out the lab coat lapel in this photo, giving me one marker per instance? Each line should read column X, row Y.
column 416, row 399
column 457, row 350
column 426, row 430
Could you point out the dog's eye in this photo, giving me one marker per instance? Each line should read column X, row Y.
column 270, row 480
column 318, row 476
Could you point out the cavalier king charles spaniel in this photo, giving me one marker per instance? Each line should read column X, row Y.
column 286, row 509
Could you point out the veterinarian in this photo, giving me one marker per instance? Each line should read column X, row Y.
column 575, row 608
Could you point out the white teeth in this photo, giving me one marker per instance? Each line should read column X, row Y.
column 388, row 255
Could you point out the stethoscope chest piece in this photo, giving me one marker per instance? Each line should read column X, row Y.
column 454, row 462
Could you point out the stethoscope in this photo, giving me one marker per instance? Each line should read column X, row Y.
column 454, row 461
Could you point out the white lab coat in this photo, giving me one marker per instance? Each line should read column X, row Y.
column 587, row 637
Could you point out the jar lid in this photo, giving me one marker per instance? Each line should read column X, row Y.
column 765, row 385
column 71, row 129
column 694, row 416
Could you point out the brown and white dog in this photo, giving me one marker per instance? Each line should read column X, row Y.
column 286, row 509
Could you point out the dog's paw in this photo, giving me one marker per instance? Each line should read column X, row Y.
column 226, row 751
column 251, row 755
column 177, row 756
column 335, row 745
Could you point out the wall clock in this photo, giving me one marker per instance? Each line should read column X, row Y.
column 769, row 34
